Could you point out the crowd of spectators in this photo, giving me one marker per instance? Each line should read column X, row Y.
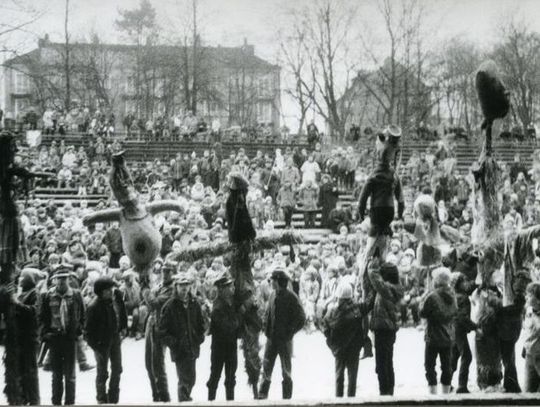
column 280, row 183
column 100, row 123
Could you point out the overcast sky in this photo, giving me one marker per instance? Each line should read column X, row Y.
column 228, row 22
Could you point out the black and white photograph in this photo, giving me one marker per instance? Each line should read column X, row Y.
column 261, row 202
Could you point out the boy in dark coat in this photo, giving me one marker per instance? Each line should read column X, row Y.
column 509, row 323
column 463, row 288
column 106, row 325
column 345, row 337
column 26, row 304
column 284, row 318
column 384, row 320
column 61, row 321
column 154, row 353
column 224, row 328
column 439, row 308
column 182, row 328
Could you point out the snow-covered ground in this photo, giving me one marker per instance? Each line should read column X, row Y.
column 313, row 372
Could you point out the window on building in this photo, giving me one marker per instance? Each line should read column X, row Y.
column 131, row 107
column 22, row 83
column 264, row 85
column 108, row 82
column 264, row 112
column 130, row 85
column 20, row 106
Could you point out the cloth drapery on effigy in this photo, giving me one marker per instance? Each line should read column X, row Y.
column 484, row 305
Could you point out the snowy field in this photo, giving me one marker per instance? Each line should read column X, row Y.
column 313, row 372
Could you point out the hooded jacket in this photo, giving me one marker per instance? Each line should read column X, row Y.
column 440, row 309
column 344, row 328
column 385, row 314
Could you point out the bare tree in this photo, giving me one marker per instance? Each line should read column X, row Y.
column 326, row 36
column 16, row 16
column 294, row 58
column 518, row 56
column 459, row 61
column 141, row 28
column 398, row 85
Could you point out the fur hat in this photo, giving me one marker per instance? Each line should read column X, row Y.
column 389, row 273
column 102, row 283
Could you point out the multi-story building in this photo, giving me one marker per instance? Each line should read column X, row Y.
column 228, row 83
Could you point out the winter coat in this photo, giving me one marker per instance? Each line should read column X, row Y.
column 344, row 328
column 182, row 328
column 26, row 314
column 464, row 324
column 385, row 314
column 49, row 315
column 328, row 196
column 225, row 323
column 509, row 320
column 382, row 186
column 309, row 198
column 113, row 241
column 104, row 321
column 287, row 197
column 440, row 310
column 284, row 316
column 157, row 298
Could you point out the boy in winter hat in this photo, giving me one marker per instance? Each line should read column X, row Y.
column 439, row 308
column 344, row 331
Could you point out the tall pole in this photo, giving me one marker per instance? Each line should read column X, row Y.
column 67, row 101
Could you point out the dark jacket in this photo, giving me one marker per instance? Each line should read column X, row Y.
column 284, row 316
column 26, row 313
column 182, row 328
column 113, row 240
column 440, row 310
column 344, row 328
column 328, row 195
column 464, row 324
column 50, row 309
column 509, row 320
column 382, row 186
column 158, row 297
column 103, row 323
column 385, row 314
column 224, row 323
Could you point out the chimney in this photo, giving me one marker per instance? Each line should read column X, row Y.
column 247, row 48
column 43, row 42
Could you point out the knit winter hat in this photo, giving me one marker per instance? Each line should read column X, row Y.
column 441, row 277
column 344, row 291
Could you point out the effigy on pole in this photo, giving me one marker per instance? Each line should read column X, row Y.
column 486, row 228
column 382, row 187
column 12, row 254
column 141, row 239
